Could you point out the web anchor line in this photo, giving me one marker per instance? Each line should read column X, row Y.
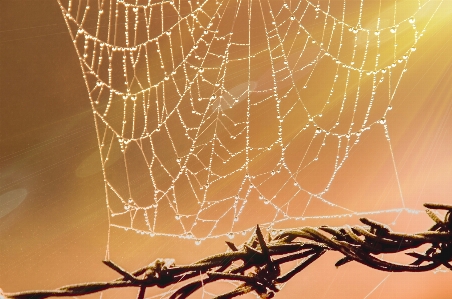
column 256, row 264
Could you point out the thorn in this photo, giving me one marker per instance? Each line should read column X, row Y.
column 262, row 243
column 381, row 228
column 343, row 261
column 231, row 246
column 434, row 217
column 437, row 206
column 447, row 265
column 141, row 293
column 121, row 271
column 420, row 258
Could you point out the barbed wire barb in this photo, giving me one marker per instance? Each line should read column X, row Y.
column 256, row 264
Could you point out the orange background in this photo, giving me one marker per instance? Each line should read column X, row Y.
column 58, row 234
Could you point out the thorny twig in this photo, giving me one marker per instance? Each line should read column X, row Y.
column 256, row 264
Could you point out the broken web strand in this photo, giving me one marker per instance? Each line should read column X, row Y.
column 140, row 93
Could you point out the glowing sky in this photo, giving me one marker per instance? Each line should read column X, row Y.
column 53, row 216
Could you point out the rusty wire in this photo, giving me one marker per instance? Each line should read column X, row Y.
column 256, row 263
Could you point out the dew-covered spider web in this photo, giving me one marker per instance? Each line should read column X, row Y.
column 213, row 116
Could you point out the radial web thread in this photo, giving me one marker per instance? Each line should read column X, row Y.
column 208, row 111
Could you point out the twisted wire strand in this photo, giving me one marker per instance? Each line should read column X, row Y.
column 256, row 264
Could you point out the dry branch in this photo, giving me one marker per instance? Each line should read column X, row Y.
column 257, row 263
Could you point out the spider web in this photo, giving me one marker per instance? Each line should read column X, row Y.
column 213, row 116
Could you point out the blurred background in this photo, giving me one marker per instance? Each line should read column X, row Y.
column 53, row 215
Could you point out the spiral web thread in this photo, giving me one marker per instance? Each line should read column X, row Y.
column 208, row 111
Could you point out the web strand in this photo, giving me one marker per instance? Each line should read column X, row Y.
column 209, row 110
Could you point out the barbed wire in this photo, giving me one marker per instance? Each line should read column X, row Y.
column 256, row 264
